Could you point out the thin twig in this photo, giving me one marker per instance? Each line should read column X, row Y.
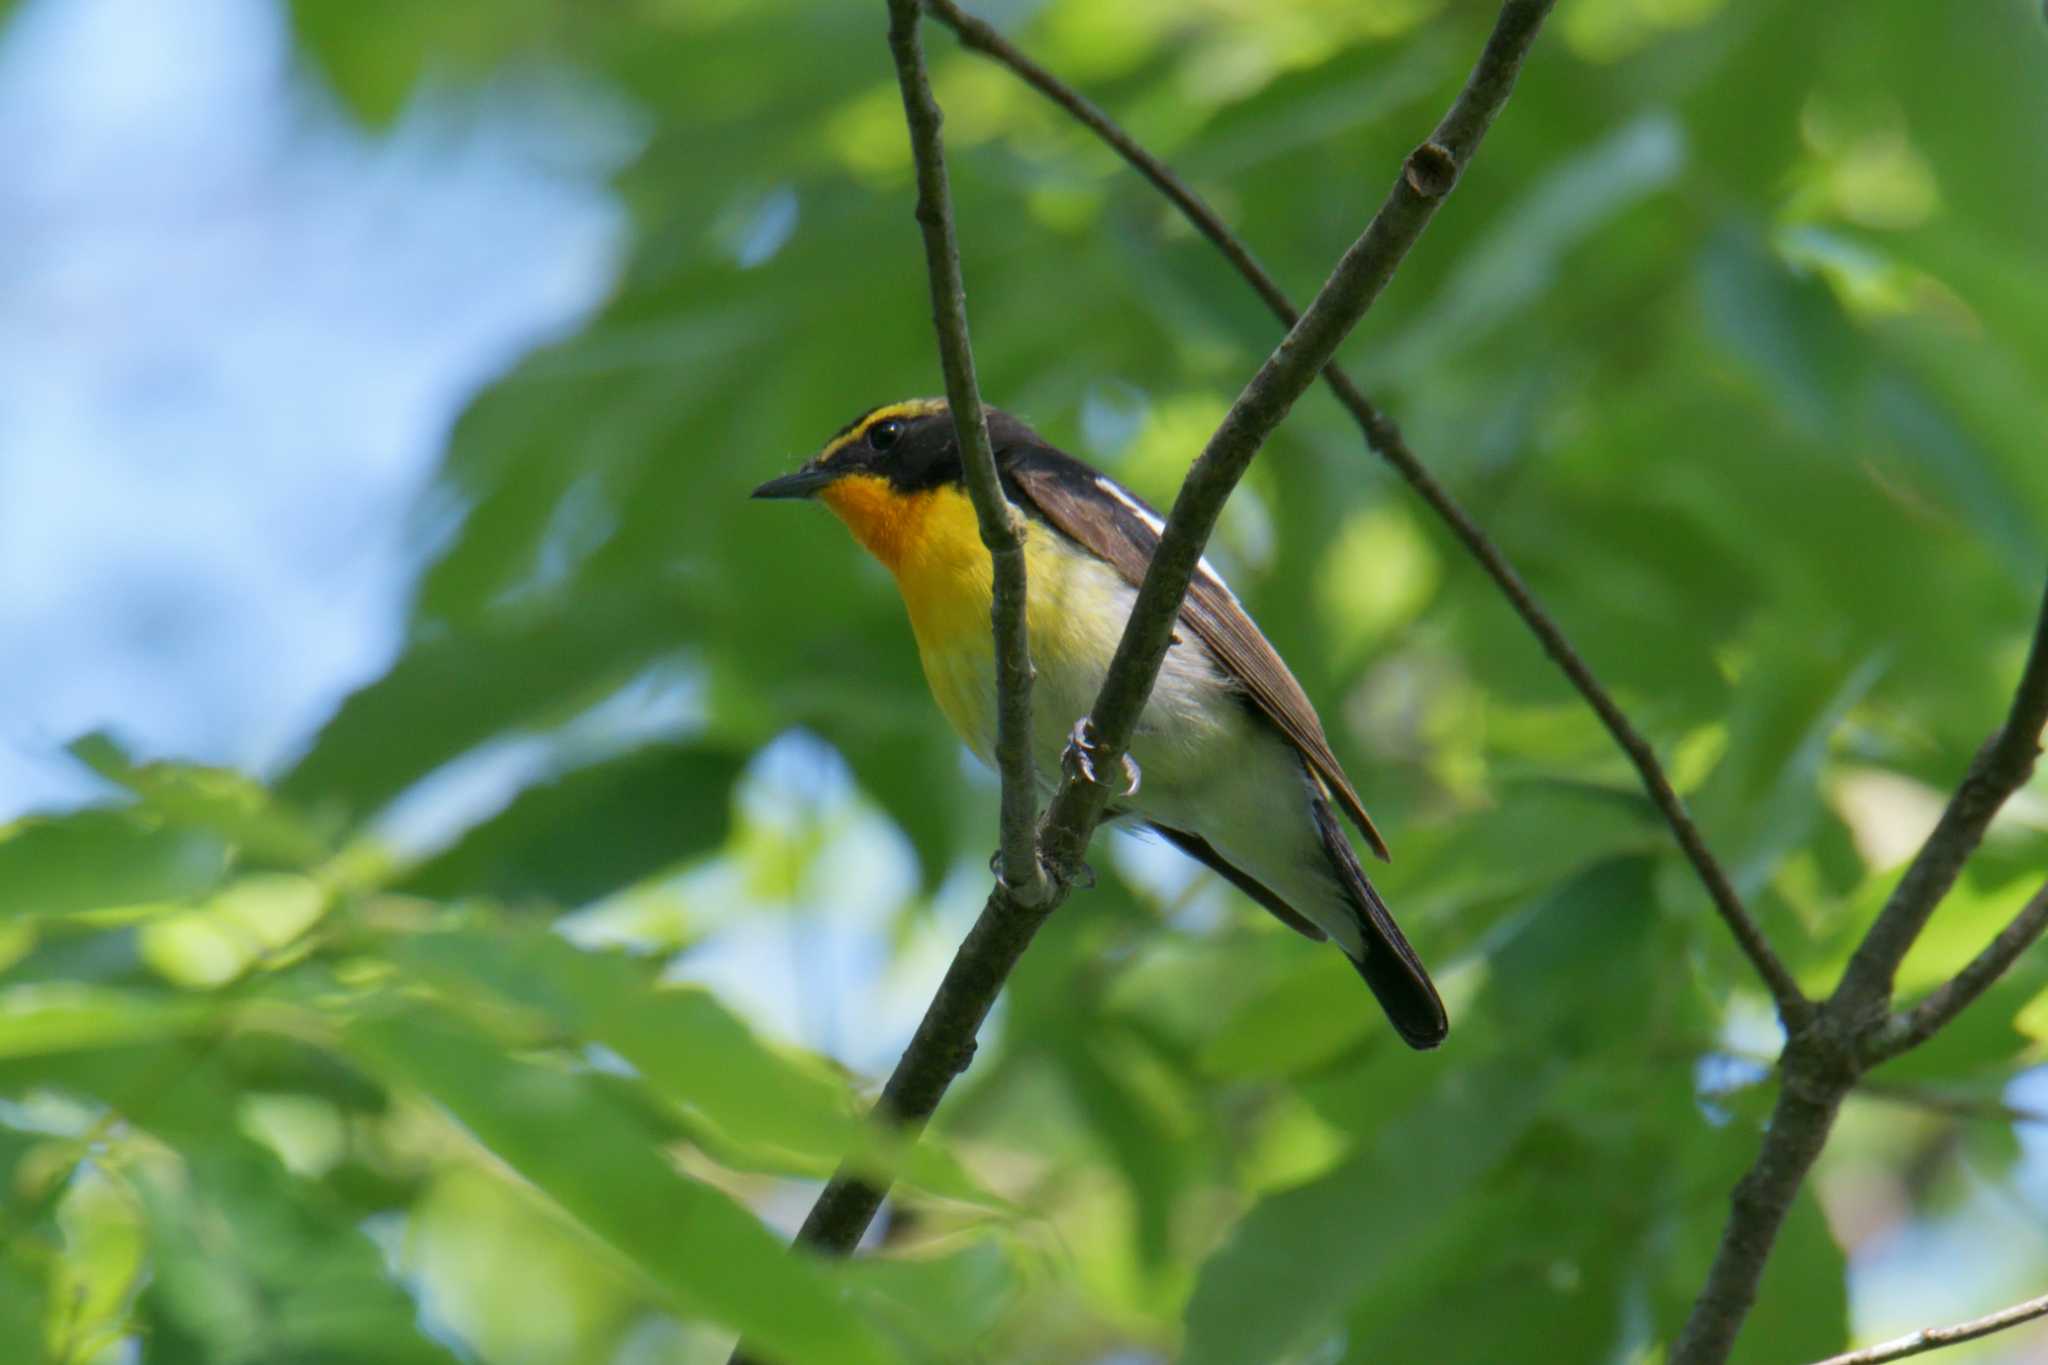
column 1934, row 1338
column 1019, row 818
column 2001, row 768
column 1384, row 436
column 1916, row 1025
column 1953, row 1106
column 944, row 1041
column 1918, row 1096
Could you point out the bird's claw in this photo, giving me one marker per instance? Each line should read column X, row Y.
column 1079, row 757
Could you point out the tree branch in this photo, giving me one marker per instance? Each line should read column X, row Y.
column 2001, row 768
column 1915, row 1026
column 944, row 1041
column 1823, row 1061
column 1815, row 1073
column 1934, row 1338
column 1385, row 438
column 1018, row 855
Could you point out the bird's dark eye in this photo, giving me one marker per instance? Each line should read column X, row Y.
column 882, row 435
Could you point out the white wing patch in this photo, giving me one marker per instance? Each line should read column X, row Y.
column 1144, row 514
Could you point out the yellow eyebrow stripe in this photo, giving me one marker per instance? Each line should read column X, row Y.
column 909, row 408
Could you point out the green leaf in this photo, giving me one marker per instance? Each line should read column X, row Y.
column 1295, row 1262
column 1562, row 1279
column 452, row 692
column 99, row 859
column 21, row 1302
column 43, row 1019
column 1150, row 1148
column 945, row 1306
column 236, row 929
column 237, row 808
column 251, row 1265
column 708, row 1255
column 1764, row 798
column 592, row 831
column 1520, row 257
column 1788, row 331
column 1306, row 1018
column 1579, row 968
column 376, row 51
column 784, row 1111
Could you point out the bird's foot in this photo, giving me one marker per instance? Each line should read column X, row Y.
column 1078, row 757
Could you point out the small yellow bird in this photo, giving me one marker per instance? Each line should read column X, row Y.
column 1236, row 770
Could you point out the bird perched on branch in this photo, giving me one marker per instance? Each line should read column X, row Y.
column 1229, row 762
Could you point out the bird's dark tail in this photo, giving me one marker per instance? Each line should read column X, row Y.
column 1387, row 963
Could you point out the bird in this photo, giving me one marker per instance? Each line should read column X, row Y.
column 1229, row 762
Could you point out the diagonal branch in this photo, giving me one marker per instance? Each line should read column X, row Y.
column 1385, row 437
column 1018, row 855
column 944, row 1042
column 1934, row 1338
column 1915, row 1026
column 2001, row 768
column 1812, row 1081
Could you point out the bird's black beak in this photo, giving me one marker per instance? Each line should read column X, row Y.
column 805, row 483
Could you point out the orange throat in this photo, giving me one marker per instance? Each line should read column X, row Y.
column 886, row 522
column 931, row 542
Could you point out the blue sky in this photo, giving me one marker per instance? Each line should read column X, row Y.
column 236, row 329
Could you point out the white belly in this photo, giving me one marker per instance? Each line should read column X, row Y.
column 1209, row 764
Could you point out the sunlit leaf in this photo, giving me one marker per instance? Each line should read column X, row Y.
column 101, row 858
column 704, row 1252
column 1294, row 1263
column 786, row 1110
column 220, row 800
column 37, row 1020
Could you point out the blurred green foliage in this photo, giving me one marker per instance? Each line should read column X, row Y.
column 1734, row 339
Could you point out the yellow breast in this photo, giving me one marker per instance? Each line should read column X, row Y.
column 931, row 542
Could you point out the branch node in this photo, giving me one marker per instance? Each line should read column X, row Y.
column 1823, row 1060
column 1039, row 890
column 1431, row 171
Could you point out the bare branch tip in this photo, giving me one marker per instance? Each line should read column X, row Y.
column 1934, row 1338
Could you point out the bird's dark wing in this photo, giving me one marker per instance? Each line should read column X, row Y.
column 1203, row 852
column 1108, row 519
column 1388, row 964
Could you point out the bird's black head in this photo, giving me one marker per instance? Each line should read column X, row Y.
column 911, row 444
